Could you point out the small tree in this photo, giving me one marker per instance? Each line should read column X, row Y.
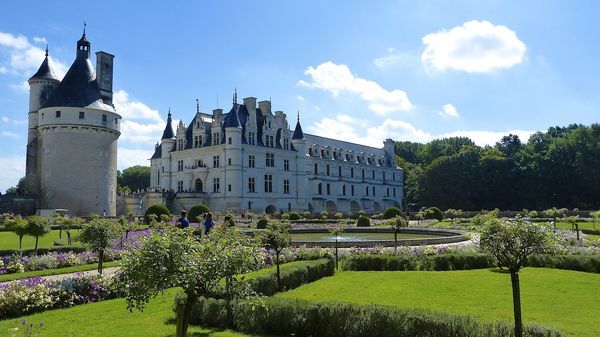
column 37, row 226
column 99, row 235
column 285, row 216
column 511, row 243
column 452, row 214
column 336, row 231
column 398, row 223
column 555, row 213
column 306, row 214
column 574, row 221
column 277, row 237
column 323, row 215
column 338, row 216
column 596, row 216
column 18, row 225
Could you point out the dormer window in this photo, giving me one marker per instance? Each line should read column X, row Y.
column 58, row 114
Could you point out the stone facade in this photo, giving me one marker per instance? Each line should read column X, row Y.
column 250, row 159
column 73, row 132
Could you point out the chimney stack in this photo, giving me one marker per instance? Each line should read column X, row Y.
column 104, row 75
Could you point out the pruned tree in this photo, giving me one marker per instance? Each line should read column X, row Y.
column 511, row 243
column 574, row 221
column 99, row 234
column 37, row 227
column 555, row 213
column 277, row 237
column 336, row 231
column 398, row 223
column 596, row 216
column 452, row 214
column 18, row 225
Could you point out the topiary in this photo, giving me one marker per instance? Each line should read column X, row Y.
column 158, row 210
column 196, row 211
column 294, row 216
column 434, row 213
column 262, row 223
column 229, row 222
column 392, row 212
column 363, row 221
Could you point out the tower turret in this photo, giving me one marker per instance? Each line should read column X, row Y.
column 299, row 144
column 83, row 46
column 167, row 140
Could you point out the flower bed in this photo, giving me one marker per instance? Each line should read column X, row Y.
column 19, row 264
column 36, row 294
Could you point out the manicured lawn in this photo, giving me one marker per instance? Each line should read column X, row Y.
column 566, row 300
column 112, row 319
column 9, row 240
column 57, row 271
column 582, row 225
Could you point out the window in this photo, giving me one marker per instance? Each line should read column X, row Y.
column 373, row 189
column 339, row 171
column 216, row 138
column 270, row 162
column 251, row 138
column 81, row 115
column 58, row 114
column 363, row 173
column 269, row 141
column 367, row 191
column 104, row 118
column 200, row 163
column 268, row 183
column 179, row 144
column 197, row 141
column 229, row 161
column 322, row 153
column 229, row 188
column 286, row 165
column 229, row 140
column 387, row 192
column 347, row 157
column 352, row 172
column 269, row 124
column 180, row 165
column 327, row 169
column 251, row 186
column 383, row 175
column 215, row 161
column 286, row 144
column 180, row 186
column 393, row 176
column 316, row 168
column 319, row 189
column 343, row 189
column 116, row 121
column 216, row 185
column 352, row 189
column 394, row 190
column 373, row 174
column 328, row 189
column 250, row 161
column 286, row 186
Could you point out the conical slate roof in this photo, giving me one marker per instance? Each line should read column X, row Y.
column 79, row 87
column 168, row 133
column 232, row 120
column 298, row 134
column 45, row 71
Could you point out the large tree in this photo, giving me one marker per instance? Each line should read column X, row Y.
column 134, row 177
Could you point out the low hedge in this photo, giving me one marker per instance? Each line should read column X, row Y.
column 438, row 262
column 585, row 263
column 285, row 317
column 302, row 273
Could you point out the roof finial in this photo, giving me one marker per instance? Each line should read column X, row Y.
column 197, row 106
column 84, row 24
column 169, row 115
column 298, row 116
column 46, row 50
column 235, row 96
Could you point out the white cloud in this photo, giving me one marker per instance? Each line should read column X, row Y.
column 393, row 58
column 345, row 127
column 300, row 98
column 25, row 58
column 13, row 169
column 483, row 138
column 474, row 47
column 448, row 111
column 132, row 109
column 141, row 124
column 40, row 39
column 337, row 78
column 22, row 87
column 130, row 157
column 5, row 119
column 8, row 134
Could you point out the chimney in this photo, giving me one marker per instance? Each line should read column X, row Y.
column 250, row 103
column 104, row 75
column 265, row 107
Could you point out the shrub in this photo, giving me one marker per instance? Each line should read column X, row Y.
column 228, row 221
column 434, row 213
column 585, row 263
column 195, row 213
column 438, row 262
column 294, row 276
column 306, row 214
column 285, row 317
column 294, row 216
column 262, row 223
column 323, row 215
column 158, row 210
column 363, row 221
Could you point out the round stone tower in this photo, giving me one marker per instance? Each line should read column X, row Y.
column 77, row 132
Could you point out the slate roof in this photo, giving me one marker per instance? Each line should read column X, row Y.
column 346, row 146
column 79, row 87
column 157, row 152
column 298, row 134
column 168, row 133
column 44, row 72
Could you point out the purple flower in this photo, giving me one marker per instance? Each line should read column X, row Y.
column 23, row 322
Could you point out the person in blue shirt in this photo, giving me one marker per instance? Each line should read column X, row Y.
column 208, row 223
column 183, row 222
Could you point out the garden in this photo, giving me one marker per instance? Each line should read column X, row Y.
column 530, row 274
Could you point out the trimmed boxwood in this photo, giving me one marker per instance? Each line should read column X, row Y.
column 438, row 262
column 262, row 223
column 304, row 272
column 197, row 210
column 158, row 209
column 294, row 216
column 392, row 212
column 434, row 213
column 363, row 221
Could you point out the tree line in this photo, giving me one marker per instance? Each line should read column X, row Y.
column 558, row 167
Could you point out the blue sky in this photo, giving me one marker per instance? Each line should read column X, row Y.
column 356, row 70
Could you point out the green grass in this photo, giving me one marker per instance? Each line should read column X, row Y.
column 112, row 319
column 57, row 271
column 9, row 240
column 566, row 300
column 362, row 236
column 582, row 225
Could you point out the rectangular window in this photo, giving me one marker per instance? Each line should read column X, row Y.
column 268, row 183
column 339, row 171
column 373, row 189
column 316, row 168
column 270, row 162
column 229, row 140
column 367, row 191
column 229, row 188
column 216, row 161
column 250, row 161
column 327, row 169
column 180, row 165
column 328, row 189
column 216, row 185
column 216, row 139
column 251, row 138
column 373, row 174
column 363, row 174
column 179, row 144
column 286, row 165
column 200, row 163
column 387, row 192
column 383, row 175
column 81, row 115
column 343, row 189
column 286, row 144
column 319, row 189
column 58, row 114
column 229, row 161
column 352, row 189
column 197, row 141
column 393, row 176
column 251, row 186
column 394, row 190
column 104, row 118
column 180, row 186
column 286, row 186
column 352, row 172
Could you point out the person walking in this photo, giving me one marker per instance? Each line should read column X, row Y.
column 208, row 223
column 183, row 222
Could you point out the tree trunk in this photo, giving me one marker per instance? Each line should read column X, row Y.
column 100, row 261
column 577, row 229
column 516, row 290
column 395, row 242
column 60, row 232
column 36, row 244
column 183, row 314
column 20, row 242
column 69, row 238
column 336, row 253
column 278, row 272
